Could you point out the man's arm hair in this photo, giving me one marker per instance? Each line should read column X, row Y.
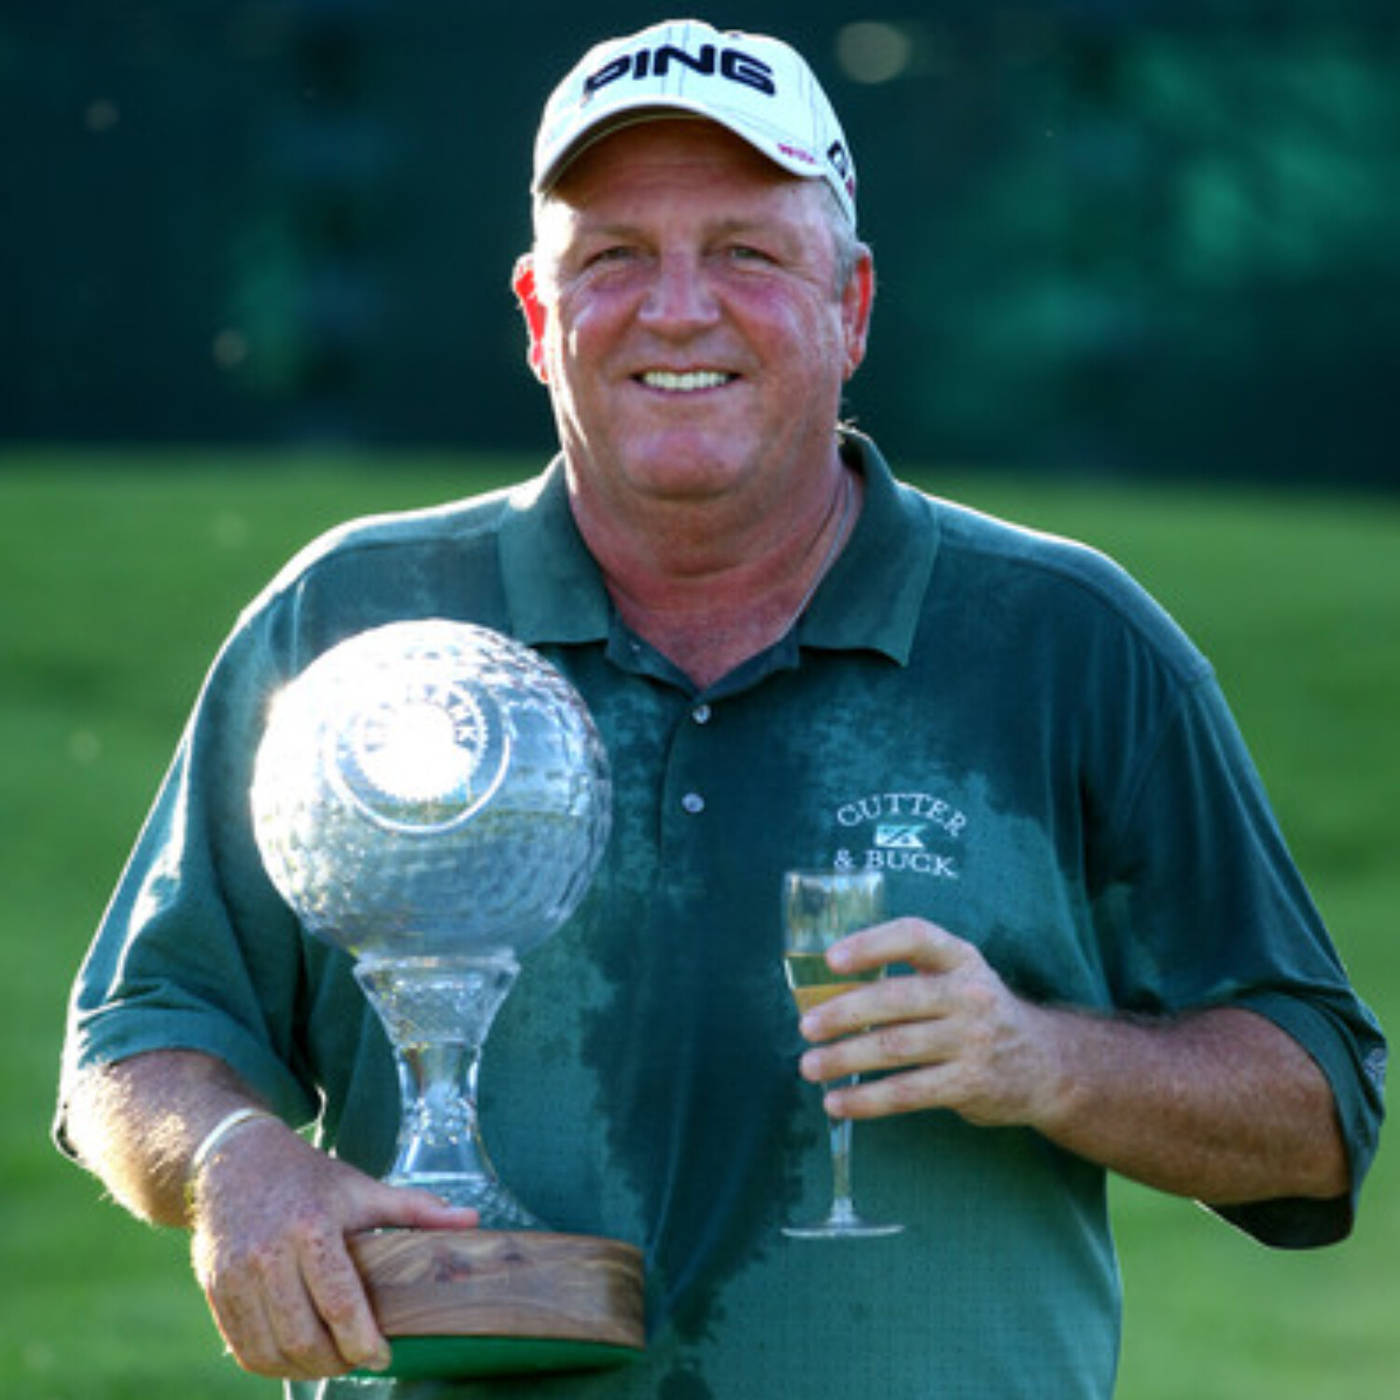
column 137, row 1124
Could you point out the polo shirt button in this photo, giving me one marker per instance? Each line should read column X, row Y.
column 693, row 803
column 701, row 714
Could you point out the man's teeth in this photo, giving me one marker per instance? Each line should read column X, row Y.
column 685, row 383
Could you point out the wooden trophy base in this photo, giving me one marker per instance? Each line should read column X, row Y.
column 491, row 1302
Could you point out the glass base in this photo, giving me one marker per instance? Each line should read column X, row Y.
column 841, row 1230
column 842, row 1224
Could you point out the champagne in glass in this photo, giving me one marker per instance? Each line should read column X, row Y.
column 820, row 907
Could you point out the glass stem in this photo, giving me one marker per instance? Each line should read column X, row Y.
column 842, row 1195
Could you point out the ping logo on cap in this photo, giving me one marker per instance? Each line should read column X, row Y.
column 733, row 64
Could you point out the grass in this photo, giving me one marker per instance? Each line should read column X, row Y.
column 122, row 573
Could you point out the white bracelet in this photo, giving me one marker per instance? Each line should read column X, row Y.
column 215, row 1136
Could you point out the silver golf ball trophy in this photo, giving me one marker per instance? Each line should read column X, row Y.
column 433, row 798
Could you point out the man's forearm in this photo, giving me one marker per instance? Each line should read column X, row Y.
column 1218, row 1104
column 1221, row 1105
column 137, row 1124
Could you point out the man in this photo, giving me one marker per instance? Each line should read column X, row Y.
column 1110, row 961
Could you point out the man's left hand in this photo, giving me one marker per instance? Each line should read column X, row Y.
column 953, row 1034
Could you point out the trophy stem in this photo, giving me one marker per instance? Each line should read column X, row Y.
column 437, row 1012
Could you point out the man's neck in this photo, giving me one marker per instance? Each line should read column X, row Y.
column 709, row 593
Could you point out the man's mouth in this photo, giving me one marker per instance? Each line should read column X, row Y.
column 685, row 382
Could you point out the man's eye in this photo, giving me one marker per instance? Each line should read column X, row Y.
column 618, row 252
column 746, row 252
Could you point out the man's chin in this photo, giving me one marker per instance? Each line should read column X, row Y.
column 683, row 467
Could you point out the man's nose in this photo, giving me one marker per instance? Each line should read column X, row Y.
column 679, row 297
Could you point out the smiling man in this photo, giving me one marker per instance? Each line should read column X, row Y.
column 695, row 309
column 686, row 315
column 1109, row 961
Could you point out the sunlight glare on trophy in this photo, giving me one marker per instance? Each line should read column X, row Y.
column 431, row 786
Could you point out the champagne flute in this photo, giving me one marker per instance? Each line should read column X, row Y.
column 820, row 907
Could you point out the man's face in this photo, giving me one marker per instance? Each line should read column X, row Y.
column 685, row 314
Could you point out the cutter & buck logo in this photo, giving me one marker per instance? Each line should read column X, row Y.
column 899, row 831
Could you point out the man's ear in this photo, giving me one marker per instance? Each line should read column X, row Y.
column 857, row 299
column 523, row 283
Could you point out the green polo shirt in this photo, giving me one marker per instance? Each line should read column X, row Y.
column 1001, row 721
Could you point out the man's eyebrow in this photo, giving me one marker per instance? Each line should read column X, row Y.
column 772, row 234
column 611, row 228
column 735, row 224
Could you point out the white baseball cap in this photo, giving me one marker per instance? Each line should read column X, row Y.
column 760, row 88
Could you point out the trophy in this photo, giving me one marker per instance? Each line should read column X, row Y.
column 433, row 798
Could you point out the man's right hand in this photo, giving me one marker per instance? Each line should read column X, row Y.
column 271, row 1217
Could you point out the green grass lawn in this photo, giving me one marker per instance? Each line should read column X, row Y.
column 121, row 575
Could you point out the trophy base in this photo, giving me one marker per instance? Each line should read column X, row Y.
column 499, row 1302
column 467, row 1358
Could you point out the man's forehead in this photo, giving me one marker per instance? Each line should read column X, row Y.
column 638, row 176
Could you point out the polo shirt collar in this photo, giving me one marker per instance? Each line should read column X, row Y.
column 870, row 600
column 554, row 588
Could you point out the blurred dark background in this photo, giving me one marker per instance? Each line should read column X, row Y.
column 1131, row 237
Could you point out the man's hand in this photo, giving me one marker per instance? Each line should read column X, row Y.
column 959, row 1037
column 1217, row 1103
column 271, row 1217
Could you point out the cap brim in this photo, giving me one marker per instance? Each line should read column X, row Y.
column 653, row 110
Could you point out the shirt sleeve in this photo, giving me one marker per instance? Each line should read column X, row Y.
column 1209, row 909
column 196, row 951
